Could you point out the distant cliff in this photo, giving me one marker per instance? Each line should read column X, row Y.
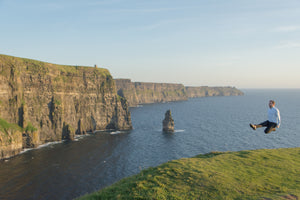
column 205, row 91
column 143, row 93
column 42, row 102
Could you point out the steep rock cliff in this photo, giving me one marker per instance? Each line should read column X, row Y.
column 142, row 93
column 205, row 91
column 54, row 102
column 10, row 139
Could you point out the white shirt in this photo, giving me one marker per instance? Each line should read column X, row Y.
column 274, row 116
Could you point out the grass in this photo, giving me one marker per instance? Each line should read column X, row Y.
column 44, row 68
column 5, row 126
column 30, row 128
column 256, row 174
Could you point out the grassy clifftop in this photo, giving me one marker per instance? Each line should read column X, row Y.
column 256, row 174
column 39, row 67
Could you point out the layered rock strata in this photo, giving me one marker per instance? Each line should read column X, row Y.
column 143, row 93
column 54, row 102
column 205, row 91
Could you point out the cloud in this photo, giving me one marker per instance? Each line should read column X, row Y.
column 288, row 44
column 175, row 23
column 156, row 25
column 146, row 10
column 291, row 28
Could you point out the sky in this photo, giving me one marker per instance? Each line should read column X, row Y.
column 240, row 43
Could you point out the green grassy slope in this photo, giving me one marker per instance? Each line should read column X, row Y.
column 256, row 174
column 39, row 67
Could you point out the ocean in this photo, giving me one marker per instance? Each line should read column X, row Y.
column 66, row 170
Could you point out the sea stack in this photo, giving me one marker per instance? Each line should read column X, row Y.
column 168, row 122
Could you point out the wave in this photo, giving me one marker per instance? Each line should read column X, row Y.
column 41, row 146
column 49, row 144
column 175, row 131
column 179, row 131
column 116, row 132
column 79, row 137
column 25, row 150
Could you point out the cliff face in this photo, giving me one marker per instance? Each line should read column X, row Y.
column 54, row 102
column 142, row 93
column 10, row 139
column 205, row 91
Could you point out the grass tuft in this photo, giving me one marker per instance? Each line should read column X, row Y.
column 30, row 128
column 5, row 126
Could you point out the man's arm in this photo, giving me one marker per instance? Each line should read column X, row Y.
column 278, row 118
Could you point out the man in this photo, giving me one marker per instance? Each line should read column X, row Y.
column 273, row 121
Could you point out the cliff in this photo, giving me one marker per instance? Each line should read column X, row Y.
column 10, row 139
column 53, row 102
column 143, row 93
column 205, row 91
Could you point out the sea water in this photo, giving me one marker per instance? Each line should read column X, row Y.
column 70, row 169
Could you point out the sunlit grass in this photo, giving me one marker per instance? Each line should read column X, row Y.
column 257, row 174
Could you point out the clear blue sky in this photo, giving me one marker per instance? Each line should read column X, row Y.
column 242, row 43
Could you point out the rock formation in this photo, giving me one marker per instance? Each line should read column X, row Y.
column 143, row 93
column 168, row 122
column 51, row 102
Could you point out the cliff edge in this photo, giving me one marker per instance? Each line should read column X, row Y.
column 52, row 102
column 144, row 93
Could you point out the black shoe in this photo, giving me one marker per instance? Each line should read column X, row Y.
column 253, row 126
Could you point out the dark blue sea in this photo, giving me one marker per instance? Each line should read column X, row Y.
column 67, row 170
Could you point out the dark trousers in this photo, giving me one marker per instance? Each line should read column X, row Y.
column 270, row 126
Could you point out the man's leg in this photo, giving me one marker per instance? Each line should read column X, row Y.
column 263, row 124
column 271, row 127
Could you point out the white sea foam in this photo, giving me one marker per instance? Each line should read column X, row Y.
column 175, row 131
column 50, row 144
column 179, row 131
column 41, row 146
column 116, row 132
column 79, row 137
column 25, row 150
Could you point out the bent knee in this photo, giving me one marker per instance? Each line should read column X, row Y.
column 269, row 130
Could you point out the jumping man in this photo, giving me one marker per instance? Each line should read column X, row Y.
column 273, row 121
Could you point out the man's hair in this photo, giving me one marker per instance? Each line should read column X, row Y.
column 272, row 101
